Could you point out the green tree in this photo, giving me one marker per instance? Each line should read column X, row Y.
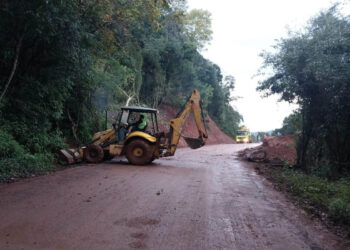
column 198, row 27
column 312, row 69
column 63, row 63
column 291, row 124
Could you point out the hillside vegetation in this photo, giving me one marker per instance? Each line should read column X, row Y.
column 312, row 68
column 62, row 63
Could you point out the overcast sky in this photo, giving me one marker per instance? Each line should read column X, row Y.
column 243, row 29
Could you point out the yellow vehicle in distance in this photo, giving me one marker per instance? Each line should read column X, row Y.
column 243, row 135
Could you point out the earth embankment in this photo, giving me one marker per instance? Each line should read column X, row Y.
column 274, row 149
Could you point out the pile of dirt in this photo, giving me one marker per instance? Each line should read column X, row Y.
column 275, row 150
column 215, row 135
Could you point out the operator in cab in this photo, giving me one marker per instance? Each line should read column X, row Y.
column 139, row 125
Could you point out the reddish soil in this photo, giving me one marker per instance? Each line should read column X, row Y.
column 282, row 147
column 198, row 199
column 215, row 135
column 273, row 147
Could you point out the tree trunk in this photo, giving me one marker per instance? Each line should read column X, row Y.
column 74, row 127
column 14, row 67
column 304, row 140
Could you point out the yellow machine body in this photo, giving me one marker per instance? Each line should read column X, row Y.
column 141, row 147
column 142, row 135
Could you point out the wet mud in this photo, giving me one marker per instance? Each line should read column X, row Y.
column 199, row 199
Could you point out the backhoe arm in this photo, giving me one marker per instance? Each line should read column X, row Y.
column 176, row 124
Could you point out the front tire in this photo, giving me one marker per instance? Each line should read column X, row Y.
column 139, row 152
column 93, row 153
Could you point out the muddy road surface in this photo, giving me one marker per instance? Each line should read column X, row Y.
column 199, row 199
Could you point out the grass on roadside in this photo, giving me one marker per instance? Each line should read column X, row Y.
column 333, row 197
column 318, row 194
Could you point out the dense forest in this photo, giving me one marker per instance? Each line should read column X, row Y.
column 63, row 63
column 312, row 68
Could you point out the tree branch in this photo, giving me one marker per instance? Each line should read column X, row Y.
column 128, row 96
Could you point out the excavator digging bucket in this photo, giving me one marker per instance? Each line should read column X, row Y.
column 194, row 142
column 70, row 156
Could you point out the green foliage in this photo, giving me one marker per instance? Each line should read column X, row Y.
column 9, row 148
column 198, row 27
column 339, row 210
column 15, row 161
column 72, row 60
column 291, row 125
column 25, row 165
column 312, row 69
column 318, row 193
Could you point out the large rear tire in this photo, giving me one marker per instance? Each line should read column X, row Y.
column 139, row 152
column 93, row 153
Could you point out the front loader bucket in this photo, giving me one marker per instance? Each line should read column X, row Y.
column 70, row 156
column 194, row 142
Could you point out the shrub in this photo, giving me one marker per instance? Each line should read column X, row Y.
column 339, row 210
column 8, row 146
column 317, row 193
column 16, row 162
column 45, row 142
column 25, row 165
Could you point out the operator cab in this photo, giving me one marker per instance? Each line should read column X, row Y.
column 130, row 115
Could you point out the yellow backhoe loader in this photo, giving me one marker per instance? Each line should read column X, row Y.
column 140, row 147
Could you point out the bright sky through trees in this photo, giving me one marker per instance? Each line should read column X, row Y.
column 241, row 31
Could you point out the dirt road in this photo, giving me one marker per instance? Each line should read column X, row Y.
column 199, row 199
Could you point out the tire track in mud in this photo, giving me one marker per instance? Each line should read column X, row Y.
column 199, row 199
